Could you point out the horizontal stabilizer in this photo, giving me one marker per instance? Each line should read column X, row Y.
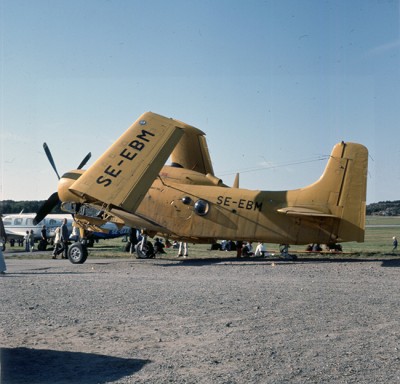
column 302, row 211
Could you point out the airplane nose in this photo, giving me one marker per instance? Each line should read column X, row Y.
column 65, row 183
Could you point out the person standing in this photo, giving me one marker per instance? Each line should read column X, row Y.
column 27, row 241
column 31, row 241
column 3, row 237
column 57, row 244
column 394, row 244
column 43, row 241
column 64, row 237
column 3, row 267
column 183, row 249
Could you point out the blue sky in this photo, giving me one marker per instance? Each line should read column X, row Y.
column 273, row 84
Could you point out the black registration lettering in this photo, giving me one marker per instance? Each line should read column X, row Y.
column 143, row 135
column 128, row 155
column 227, row 201
column 136, row 144
column 103, row 180
column 112, row 171
column 132, row 149
column 249, row 205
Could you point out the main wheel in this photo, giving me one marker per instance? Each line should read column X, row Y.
column 77, row 253
column 147, row 251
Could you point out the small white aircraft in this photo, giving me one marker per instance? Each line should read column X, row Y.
column 17, row 224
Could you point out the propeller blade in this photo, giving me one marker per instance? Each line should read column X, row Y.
column 50, row 157
column 85, row 160
column 46, row 208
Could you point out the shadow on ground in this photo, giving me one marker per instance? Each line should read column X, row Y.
column 34, row 366
column 385, row 262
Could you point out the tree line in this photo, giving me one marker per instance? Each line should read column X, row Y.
column 25, row 206
column 384, row 208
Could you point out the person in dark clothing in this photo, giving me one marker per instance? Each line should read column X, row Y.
column 64, row 237
column 158, row 246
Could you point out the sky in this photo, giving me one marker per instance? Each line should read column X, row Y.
column 273, row 84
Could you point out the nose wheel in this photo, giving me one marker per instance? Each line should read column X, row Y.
column 77, row 253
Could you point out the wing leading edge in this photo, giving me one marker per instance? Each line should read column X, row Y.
column 124, row 173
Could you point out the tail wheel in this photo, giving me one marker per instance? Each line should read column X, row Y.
column 77, row 253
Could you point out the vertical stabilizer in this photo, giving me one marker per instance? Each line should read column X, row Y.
column 340, row 193
column 351, row 203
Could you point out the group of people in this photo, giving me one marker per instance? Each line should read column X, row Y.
column 247, row 250
column 243, row 248
column 29, row 240
column 61, row 241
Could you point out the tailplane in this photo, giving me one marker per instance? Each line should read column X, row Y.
column 340, row 193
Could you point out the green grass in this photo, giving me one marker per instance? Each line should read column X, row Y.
column 378, row 242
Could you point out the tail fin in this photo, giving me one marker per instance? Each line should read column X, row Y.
column 350, row 205
column 340, row 193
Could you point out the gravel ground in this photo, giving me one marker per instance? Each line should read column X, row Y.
column 200, row 321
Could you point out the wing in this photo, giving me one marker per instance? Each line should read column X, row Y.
column 192, row 152
column 124, row 173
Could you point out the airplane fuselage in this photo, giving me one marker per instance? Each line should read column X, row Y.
column 16, row 225
column 204, row 212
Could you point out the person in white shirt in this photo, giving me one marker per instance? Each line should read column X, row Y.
column 260, row 250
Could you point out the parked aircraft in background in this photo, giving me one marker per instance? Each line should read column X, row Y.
column 17, row 224
column 131, row 185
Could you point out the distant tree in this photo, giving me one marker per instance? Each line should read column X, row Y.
column 26, row 206
column 384, row 208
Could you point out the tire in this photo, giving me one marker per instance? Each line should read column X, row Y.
column 77, row 253
column 146, row 253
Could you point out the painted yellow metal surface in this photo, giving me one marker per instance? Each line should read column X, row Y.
column 131, row 184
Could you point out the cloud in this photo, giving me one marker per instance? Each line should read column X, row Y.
column 381, row 49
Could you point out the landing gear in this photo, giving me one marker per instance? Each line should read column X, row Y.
column 144, row 249
column 77, row 253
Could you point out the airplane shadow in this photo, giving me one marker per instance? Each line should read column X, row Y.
column 26, row 273
column 391, row 263
column 42, row 366
column 268, row 260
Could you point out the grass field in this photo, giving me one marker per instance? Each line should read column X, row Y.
column 378, row 241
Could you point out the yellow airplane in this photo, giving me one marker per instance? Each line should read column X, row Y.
column 131, row 185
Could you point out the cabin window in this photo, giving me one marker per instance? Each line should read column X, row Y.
column 18, row 221
column 201, row 207
column 29, row 222
column 186, row 200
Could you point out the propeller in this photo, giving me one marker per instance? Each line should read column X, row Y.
column 46, row 208
column 50, row 157
column 53, row 200
column 85, row 160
